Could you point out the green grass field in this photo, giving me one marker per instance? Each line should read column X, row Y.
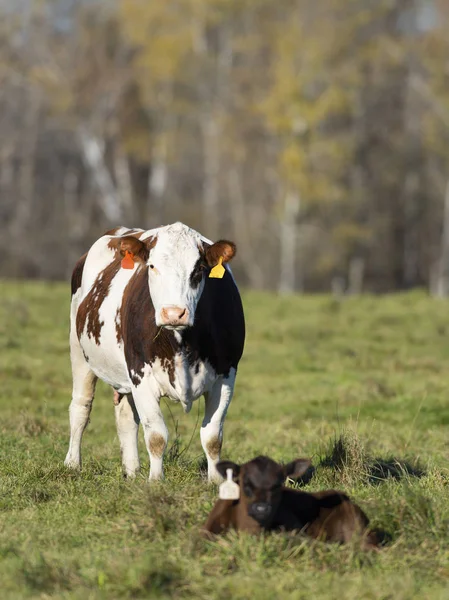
column 373, row 371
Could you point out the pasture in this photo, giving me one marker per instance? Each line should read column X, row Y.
column 370, row 373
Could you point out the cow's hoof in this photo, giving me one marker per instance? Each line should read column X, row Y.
column 214, row 477
column 156, row 478
column 130, row 474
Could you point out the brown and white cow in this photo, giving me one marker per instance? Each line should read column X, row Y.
column 155, row 324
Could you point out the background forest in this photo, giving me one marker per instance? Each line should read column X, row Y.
column 313, row 133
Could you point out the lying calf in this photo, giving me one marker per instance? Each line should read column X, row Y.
column 265, row 504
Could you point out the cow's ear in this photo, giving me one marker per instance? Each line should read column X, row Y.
column 224, row 465
column 222, row 249
column 139, row 248
column 297, row 468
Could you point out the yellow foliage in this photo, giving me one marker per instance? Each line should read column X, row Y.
column 347, row 233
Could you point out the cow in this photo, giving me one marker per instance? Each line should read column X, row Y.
column 155, row 313
column 266, row 505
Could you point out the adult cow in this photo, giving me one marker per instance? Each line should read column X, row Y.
column 155, row 314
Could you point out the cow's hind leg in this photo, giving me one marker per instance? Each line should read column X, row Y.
column 217, row 402
column 84, row 381
column 127, row 420
column 154, row 428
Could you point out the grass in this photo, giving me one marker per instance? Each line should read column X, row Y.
column 361, row 386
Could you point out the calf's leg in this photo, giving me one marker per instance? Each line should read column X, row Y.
column 219, row 519
column 216, row 405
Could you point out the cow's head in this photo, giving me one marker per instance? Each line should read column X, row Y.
column 178, row 262
column 261, row 481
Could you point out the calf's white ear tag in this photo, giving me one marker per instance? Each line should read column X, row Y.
column 229, row 490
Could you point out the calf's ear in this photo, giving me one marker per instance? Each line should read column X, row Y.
column 222, row 249
column 297, row 468
column 224, row 465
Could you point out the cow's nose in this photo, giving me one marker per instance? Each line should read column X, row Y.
column 174, row 316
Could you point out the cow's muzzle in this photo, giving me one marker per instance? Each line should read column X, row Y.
column 174, row 317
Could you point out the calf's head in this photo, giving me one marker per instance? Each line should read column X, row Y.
column 261, row 481
column 178, row 262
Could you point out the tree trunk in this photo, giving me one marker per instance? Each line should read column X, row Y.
column 124, row 184
column 242, row 234
column 211, row 198
column 287, row 278
column 157, row 182
column 355, row 276
column 442, row 276
column 26, row 185
column 93, row 155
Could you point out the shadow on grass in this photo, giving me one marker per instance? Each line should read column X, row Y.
column 347, row 454
column 392, row 468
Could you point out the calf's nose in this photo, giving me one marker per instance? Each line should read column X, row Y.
column 260, row 510
column 174, row 315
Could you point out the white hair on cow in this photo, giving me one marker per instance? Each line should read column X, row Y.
column 171, row 263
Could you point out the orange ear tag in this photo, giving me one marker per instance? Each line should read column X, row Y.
column 218, row 271
column 128, row 260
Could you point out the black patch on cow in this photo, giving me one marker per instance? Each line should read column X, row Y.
column 218, row 333
column 198, row 272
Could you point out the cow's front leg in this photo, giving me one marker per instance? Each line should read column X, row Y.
column 217, row 402
column 127, row 420
column 154, row 428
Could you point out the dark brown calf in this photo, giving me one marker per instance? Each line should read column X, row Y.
column 266, row 505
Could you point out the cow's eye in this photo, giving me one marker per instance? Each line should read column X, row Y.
column 151, row 266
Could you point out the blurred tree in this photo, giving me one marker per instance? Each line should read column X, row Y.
column 315, row 134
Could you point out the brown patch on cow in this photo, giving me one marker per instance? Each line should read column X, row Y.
column 117, row 397
column 157, row 444
column 144, row 342
column 88, row 310
column 113, row 231
column 118, row 328
column 113, row 244
column 168, row 365
column 131, row 243
column 213, row 448
column 221, row 249
column 77, row 274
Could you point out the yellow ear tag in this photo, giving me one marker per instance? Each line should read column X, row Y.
column 229, row 490
column 218, row 271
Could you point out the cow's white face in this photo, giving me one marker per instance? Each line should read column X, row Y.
column 178, row 263
column 176, row 269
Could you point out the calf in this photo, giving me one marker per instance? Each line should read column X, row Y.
column 266, row 505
